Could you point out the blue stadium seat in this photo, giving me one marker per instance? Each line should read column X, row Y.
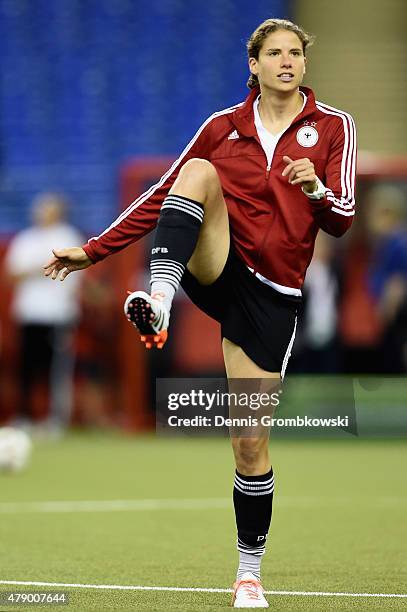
column 86, row 85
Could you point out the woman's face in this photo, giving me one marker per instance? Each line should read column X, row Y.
column 281, row 63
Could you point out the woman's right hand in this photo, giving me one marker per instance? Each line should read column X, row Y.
column 66, row 261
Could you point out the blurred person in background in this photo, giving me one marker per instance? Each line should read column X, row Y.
column 317, row 343
column 237, row 216
column 97, row 352
column 45, row 313
column 387, row 223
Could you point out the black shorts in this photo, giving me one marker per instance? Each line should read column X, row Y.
column 253, row 315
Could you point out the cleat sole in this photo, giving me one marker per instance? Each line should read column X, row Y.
column 138, row 311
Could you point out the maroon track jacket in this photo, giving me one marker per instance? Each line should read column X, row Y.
column 273, row 224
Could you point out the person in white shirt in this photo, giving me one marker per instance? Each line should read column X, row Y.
column 46, row 313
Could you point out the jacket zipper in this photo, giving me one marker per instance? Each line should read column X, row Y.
column 268, row 170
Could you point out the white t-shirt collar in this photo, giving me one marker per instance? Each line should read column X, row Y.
column 258, row 122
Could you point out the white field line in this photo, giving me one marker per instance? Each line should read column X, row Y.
column 216, row 503
column 115, row 505
column 122, row 587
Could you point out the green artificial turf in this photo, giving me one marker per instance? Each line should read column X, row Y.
column 338, row 524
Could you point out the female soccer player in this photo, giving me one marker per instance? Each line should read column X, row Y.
column 237, row 216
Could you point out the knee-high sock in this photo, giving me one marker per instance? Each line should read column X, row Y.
column 175, row 239
column 253, row 502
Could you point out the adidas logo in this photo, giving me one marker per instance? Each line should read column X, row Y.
column 233, row 135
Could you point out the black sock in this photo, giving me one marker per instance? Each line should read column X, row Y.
column 176, row 236
column 253, row 502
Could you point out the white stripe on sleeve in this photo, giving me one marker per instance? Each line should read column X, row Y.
column 143, row 197
column 348, row 163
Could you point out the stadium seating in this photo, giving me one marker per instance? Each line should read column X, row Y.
column 86, row 85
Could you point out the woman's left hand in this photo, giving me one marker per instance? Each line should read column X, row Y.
column 300, row 171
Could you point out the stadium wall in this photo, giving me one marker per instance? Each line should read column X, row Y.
column 358, row 65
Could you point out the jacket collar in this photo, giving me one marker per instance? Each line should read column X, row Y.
column 243, row 117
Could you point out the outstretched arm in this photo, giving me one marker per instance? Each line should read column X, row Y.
column 135, row 222
column 142, row 215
